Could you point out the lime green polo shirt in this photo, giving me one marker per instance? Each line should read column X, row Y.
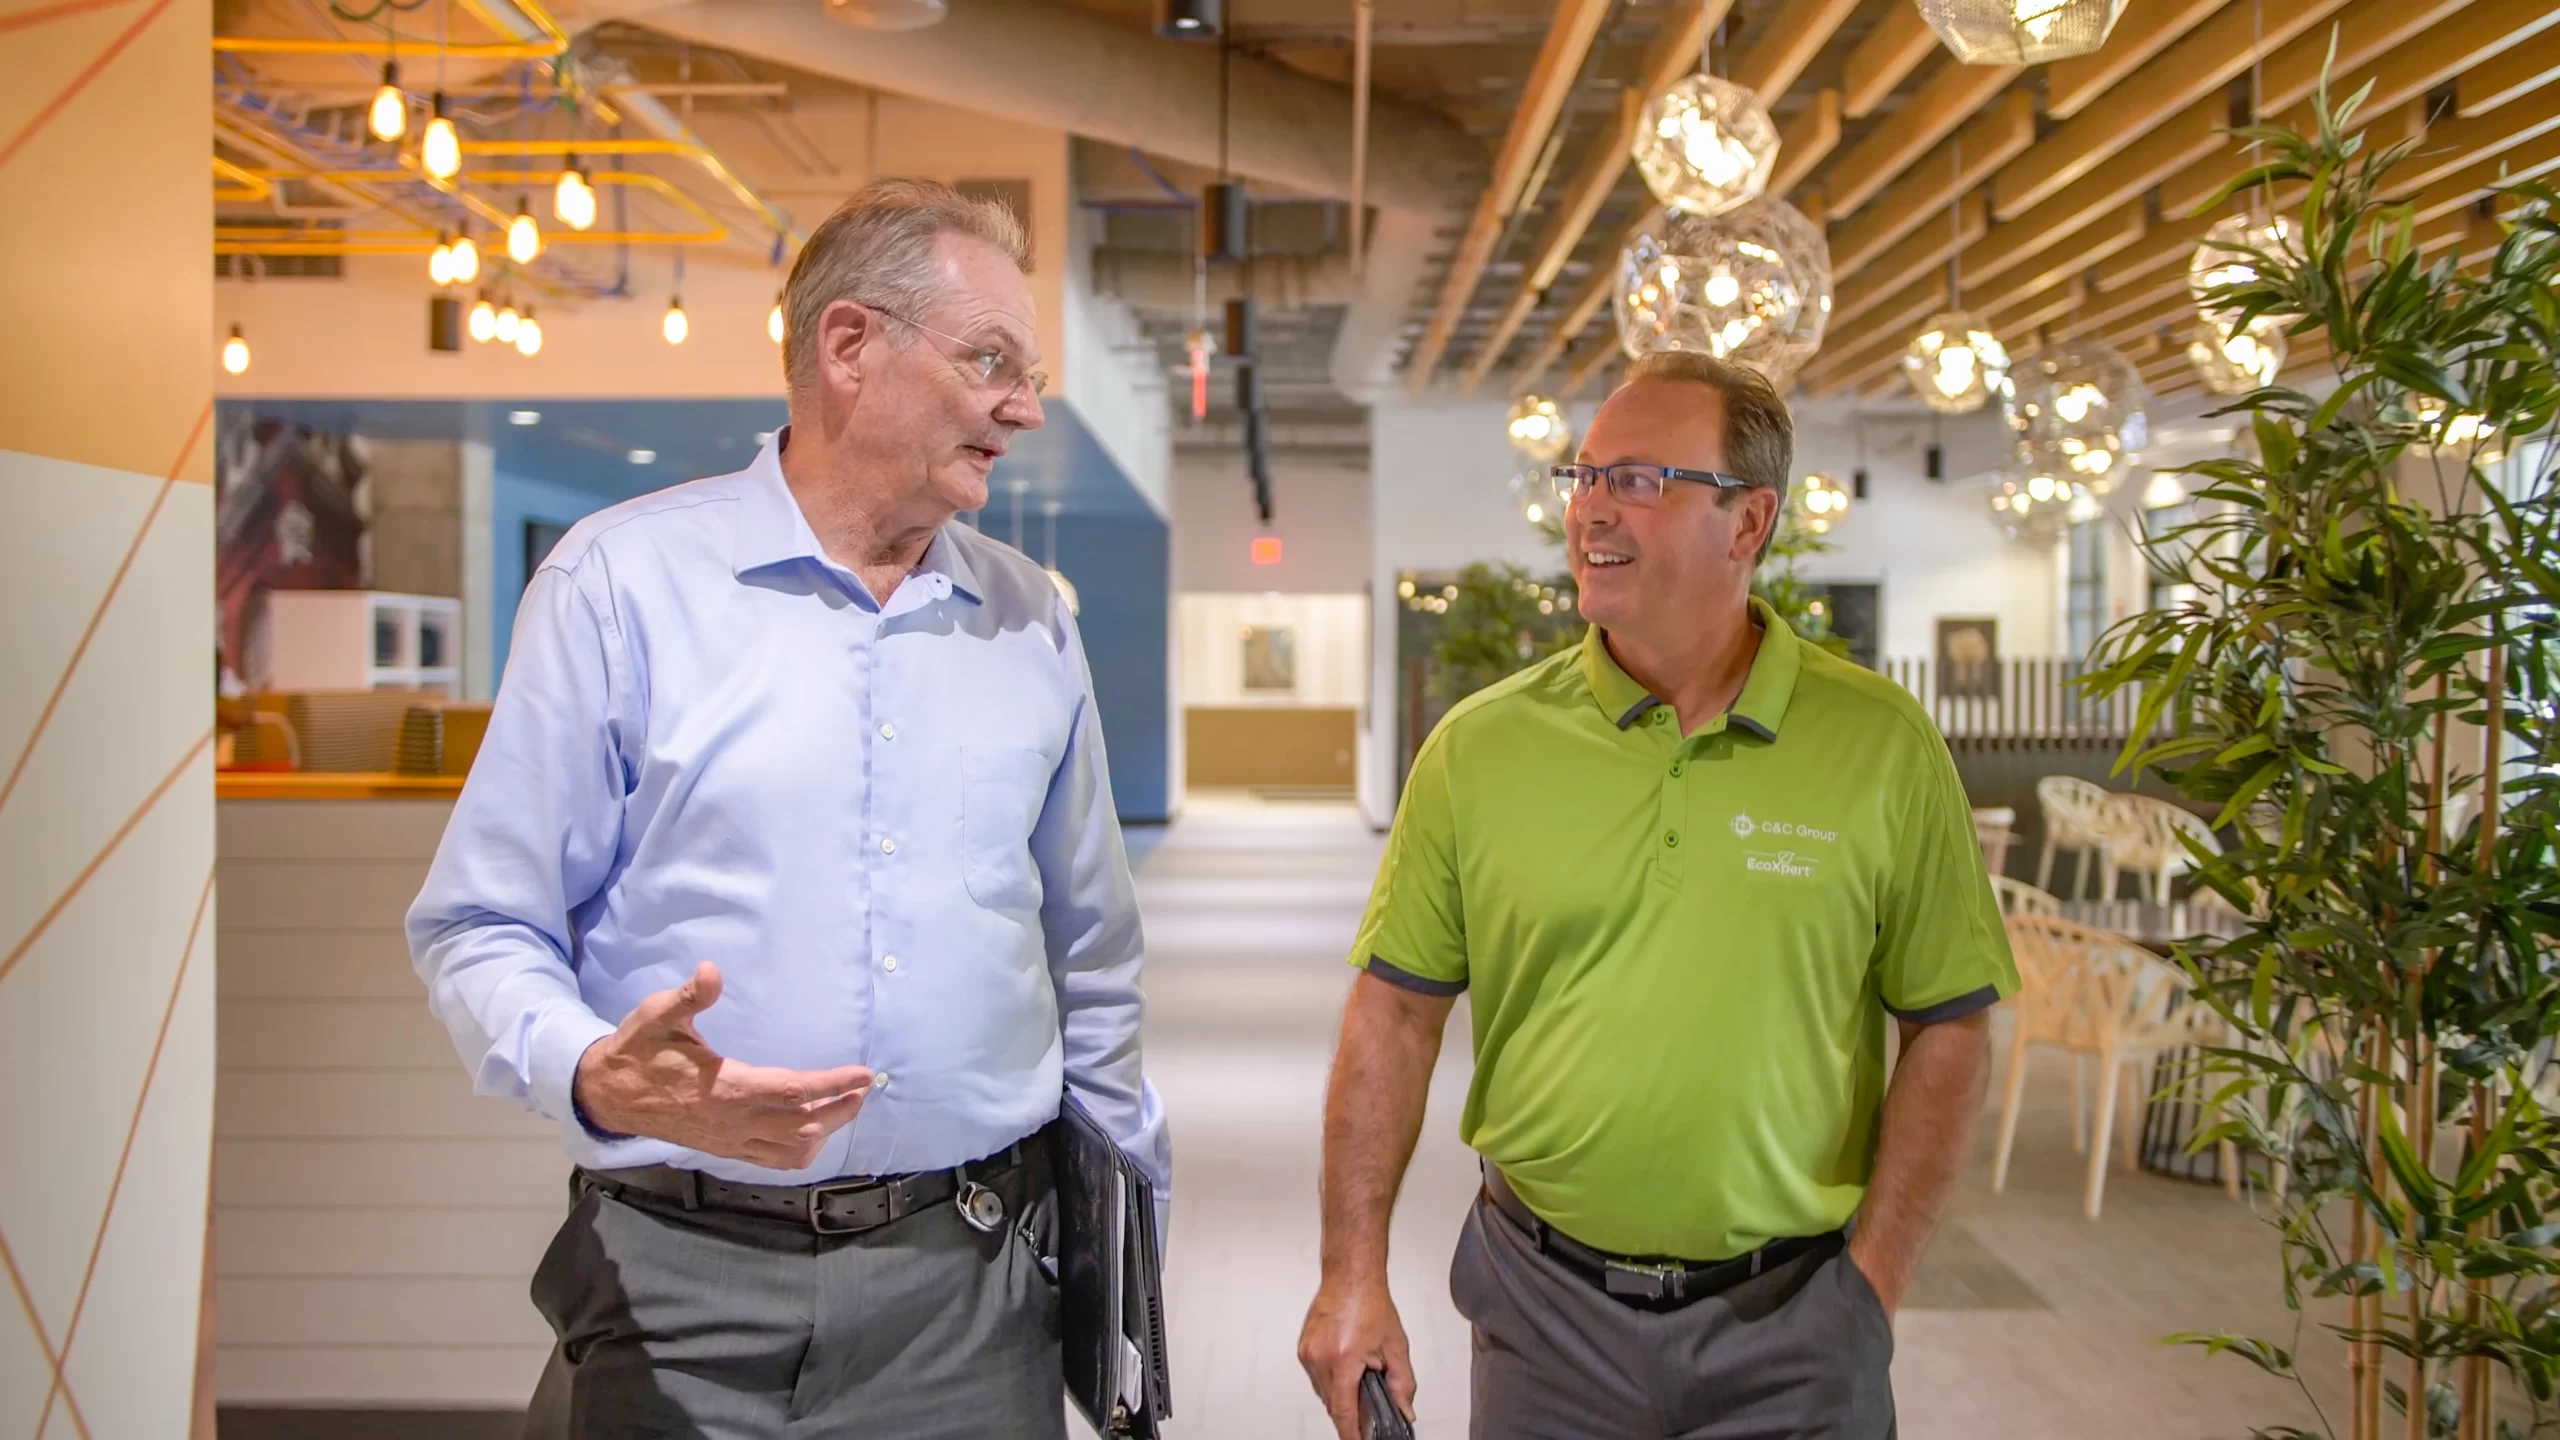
column 1682, row 951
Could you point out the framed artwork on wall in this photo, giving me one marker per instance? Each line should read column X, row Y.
column 1968, row 658
column 1271, row 659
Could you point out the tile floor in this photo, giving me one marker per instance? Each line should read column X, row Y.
column 2028, row 1321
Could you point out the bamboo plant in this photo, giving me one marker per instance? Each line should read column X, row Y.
column 2367, row 686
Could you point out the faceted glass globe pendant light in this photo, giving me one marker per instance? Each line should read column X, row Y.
column 2095, row 462
column 2223, row 258
column 2237, row 362
column 1538, row 430
column 2081, row 390
column 1705, row 146
column 1821, row 502
column 2035, row 507
column 1752, row 286
column 1955, row 365
column 2020, row 32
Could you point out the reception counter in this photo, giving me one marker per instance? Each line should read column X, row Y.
column 375, row 1223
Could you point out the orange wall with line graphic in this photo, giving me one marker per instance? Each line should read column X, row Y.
column 106, row 794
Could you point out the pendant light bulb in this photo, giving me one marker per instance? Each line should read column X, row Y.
column 440, row 149
column 440, row 263
column 524, row 238
column 773, row 321
column 509, row 322
column 465, row 260
column 484, row 319
column 573, row 200
column 675, row 327
column 389, row 118
column 235, row 352
column 528, row 334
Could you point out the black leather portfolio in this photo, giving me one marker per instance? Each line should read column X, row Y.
column 1111, row 1287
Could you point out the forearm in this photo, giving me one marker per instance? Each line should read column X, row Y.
column 1373, row 1116
column 1927, row 1133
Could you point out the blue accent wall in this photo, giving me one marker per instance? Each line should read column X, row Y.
column 515, row 499
column 1123, row 574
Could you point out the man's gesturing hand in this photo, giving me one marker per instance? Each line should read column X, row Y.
column 654, row 1076
column 1351, row 1328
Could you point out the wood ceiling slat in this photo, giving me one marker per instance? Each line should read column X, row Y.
column 2163, row 246
column 2195, row 132
column 2452, row 145
column 2175, row 310
column 1883, row 60
column 1881, row 355
column 1945, row 101
column 1595, row 358
column 2104, row 312
column 1991, row 140
column 1923, row 250
column 1805, row 140
column 2488, row 28
column 1674, row 53
column 1551, row 79
column 1772, row 61
column 1884, row 332
column 2505, row 77
column 2111, row 234
column 2366, row 30
column 1587, row 303
column 2197, row 66
column 2465, row 187
column 2143, row 32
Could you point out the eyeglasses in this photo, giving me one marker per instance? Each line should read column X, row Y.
column 1636, row 484
column 990, row 367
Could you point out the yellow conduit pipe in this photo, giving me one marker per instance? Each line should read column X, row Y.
column 247, row 185
column 553, row 44
column 238, row 239
column 697, row 153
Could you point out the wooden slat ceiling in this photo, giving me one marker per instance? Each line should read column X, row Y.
column 2072, row 185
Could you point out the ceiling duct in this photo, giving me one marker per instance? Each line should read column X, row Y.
column 1053, row 65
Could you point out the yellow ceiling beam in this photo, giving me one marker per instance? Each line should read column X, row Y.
column 2071, row 86
column 1883, row 60
column 1551, row 77
column 1993, row 138
column 1674, row 53
column 1772, row 60
column 1945, row 101
column 2198, row 66
column 1918, row 253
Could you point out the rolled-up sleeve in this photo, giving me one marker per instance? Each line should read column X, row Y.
column 1096, row 947
column 532, row 839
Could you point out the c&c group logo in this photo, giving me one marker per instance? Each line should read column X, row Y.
column 1743, row 825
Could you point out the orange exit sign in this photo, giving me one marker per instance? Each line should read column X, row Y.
column 1266, row 550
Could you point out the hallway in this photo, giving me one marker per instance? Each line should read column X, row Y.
column 2026, row 1320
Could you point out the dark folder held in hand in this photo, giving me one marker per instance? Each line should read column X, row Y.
column 1111, row 1289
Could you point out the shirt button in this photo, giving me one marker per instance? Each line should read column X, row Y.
column 880, row 1080
column 1661, row 716
column 1676, row 768
column 890, row 964
column 1671, row 839
column 888, row 846
column 888, row 732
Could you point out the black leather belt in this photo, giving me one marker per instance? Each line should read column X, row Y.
column 848, row 1206
column 1648, row 1283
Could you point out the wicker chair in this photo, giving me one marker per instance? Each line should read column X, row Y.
column 2087, row 992
column 2071, row 807
column 2141, row 834
column 2017, row 897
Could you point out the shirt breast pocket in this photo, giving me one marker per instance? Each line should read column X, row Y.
column 1001, row 794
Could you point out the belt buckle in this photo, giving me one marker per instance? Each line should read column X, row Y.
column 818, row 1195
column 1643, row 1282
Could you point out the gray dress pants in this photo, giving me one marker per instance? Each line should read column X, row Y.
column 705, row 1323
column 1803, row 1349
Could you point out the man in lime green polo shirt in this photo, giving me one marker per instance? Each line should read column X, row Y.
column 1686, row 873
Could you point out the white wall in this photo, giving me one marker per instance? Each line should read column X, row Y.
column 1320, row 514
column 1332, row 647
column 1930, row 544
column 1113, row 378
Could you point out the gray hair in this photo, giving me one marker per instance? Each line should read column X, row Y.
column 1759, row 433
column 877, row 250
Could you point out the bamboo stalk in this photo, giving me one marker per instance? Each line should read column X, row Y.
column 2479, row 1387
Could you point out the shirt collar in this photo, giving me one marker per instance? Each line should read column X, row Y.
column 772, row 531
column 1758, row 709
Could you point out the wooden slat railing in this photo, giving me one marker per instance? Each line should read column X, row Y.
column 2020, row 698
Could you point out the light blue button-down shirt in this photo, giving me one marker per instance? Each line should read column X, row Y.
column 890, row 825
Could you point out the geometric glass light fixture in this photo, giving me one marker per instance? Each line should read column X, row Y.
column 2037, row 507
column 1821, row 502
column 2095, row 463
column 2224, row 258
column 1955, row 364
column 1538, row 429
column 2079, row 390
column 1752, row 286
column 2237, row 362
column 1533, row 498
column 2020, row 32
column 1705, row 146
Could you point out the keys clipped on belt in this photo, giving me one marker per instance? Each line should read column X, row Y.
column 980, row 1208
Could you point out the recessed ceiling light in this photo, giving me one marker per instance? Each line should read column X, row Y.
column 643, row 457
column 524, row 417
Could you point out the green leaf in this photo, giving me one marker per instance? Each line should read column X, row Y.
column 2264, row 776
column 2416, row 1181
column 2262, row 990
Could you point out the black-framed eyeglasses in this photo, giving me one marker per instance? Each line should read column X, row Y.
column 990, row 367
column 1634, row 483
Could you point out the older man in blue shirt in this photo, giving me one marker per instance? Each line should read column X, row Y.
column 787, row 883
